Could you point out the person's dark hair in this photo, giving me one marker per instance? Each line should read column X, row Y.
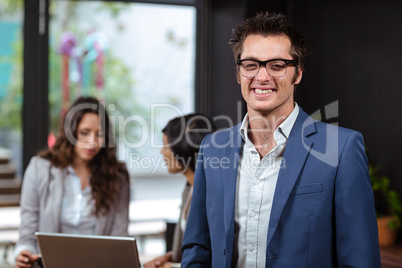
column 106, row 170
column 269, row 24
column 185, row 134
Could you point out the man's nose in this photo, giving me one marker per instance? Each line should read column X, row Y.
column 263, row 74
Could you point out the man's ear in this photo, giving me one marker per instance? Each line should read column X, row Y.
column 299, row 75
column 238, row 77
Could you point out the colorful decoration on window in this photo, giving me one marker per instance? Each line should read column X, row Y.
column 82, row 65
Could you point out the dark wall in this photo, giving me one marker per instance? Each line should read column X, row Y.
column 356, row 54
column 356, row 61
column 225, row 91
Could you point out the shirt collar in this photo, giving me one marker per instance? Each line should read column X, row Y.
column 284, row 128
column 69, row 170
column 287, row 124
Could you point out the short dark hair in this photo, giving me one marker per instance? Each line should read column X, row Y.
column 270, row 24
column 185, row 134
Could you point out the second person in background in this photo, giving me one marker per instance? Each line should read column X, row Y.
column 78, row 186
column 182, row 138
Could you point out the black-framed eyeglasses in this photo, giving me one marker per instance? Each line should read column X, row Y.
column 275, row 67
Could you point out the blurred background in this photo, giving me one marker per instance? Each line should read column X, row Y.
column 150, row 61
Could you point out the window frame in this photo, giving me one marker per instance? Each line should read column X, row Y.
column 35, row 115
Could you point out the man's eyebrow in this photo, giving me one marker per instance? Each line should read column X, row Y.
column 250, row 58
column 254, row 58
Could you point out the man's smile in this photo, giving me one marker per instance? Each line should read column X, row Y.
column 263, row 91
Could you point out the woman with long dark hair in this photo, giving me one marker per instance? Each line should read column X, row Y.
column 77, row 186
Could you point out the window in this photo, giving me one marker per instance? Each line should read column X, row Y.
column 11, row 25
column 139, row 58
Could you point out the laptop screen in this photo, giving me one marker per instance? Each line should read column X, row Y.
column 87, row 251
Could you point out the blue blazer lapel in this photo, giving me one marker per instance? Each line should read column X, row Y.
column 232, row 152
column 297, row 149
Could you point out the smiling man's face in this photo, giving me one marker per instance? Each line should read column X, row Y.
column 266, row 95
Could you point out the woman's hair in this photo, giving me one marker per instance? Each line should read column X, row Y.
column 106, row 170
column 185, row 134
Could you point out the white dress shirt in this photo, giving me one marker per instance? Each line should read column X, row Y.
column 77, row 213
column 256, row 182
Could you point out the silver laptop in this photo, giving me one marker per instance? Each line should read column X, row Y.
column 87, row 251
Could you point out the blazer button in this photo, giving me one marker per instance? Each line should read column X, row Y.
column 224, row 252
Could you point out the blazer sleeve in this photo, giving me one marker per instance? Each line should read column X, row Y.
column 121, row 217
column 196, row 242
column 356, row 225
column 29, row 207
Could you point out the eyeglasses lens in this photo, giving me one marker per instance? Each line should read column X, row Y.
column 250, row 68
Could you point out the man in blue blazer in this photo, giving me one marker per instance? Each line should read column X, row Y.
column 279, row 189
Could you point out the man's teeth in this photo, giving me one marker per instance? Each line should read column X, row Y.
column 260, row 91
